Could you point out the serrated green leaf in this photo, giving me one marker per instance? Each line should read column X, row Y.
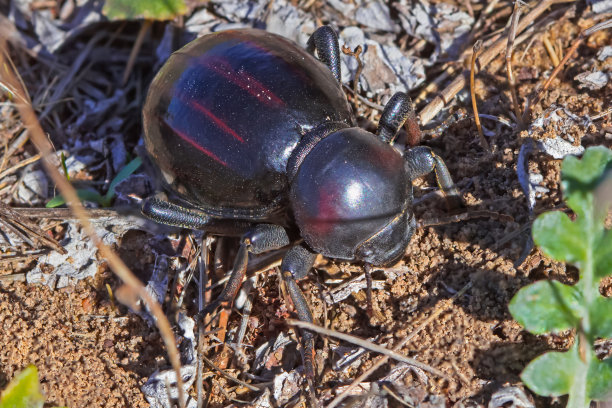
column 559, row 237
column 603, row 255
column 546, row 306
column 583, row 174
column 552, row 374
column 144, row 9
column 599, row 381
column 23, row 391
column 600, row 312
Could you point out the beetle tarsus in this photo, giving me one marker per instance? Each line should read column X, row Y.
column 325, row 41
column 398, row 111
column 421, row 160
column 172, row 214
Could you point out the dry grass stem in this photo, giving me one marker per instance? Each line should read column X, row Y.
column 511, row 81
column 28, row 116
column 356, row 53
column 27, row 230
column 583, row 35
column 368, row 345
column 135, row 49
column 432, row 109
column 229, row 376
column 62, row 213
column 483, row 141
column 19, row 165
column 550, row 50
column 441, row 307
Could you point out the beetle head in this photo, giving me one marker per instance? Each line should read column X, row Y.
column 351, row 198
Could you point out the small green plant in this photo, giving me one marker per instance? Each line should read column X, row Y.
column 147, row 9
column 550, row 306
column 93, row 196
column 23, row 391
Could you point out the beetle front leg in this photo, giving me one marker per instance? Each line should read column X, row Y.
column 296, row 264
column 421, row 160
column 325, row 41
column 398, row 110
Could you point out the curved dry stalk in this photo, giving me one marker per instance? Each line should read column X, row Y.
column 511, row 80
column 347, row 51
column 37, row 135
column 432, row 109
column 483, row 141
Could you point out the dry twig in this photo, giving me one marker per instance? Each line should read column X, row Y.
column 483, row 141
column 583, row 35
column 432, row 109
column 383, row 359
column 135, row 49
column 367, row 345
column 28, row 116
column 511, row 81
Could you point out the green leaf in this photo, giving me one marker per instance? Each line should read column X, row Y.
column 559, row 237
column 144, row 9
column 585, row 174
column 23, row 391
column 94, row 196
column 599, row 381
column 552, row 374
column 63, row 161
column 603, row 255
column 600, row 312
column 123, row 174
column 84, row 195
column 546, row 306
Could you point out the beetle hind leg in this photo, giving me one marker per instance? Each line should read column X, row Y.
column 325, row 41
column 399, row 111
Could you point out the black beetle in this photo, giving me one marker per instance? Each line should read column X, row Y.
column 256, row 138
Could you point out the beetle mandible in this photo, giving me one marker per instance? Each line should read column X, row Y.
column 255, row 138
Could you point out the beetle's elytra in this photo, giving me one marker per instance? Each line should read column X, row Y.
column 254, row 137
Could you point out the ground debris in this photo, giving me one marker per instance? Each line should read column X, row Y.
column 156, row 390
column 592, row 80
column 511, row 397
column 80, row 261
column 441, row 24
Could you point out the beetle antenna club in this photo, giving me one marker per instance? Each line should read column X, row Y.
column 276, row 168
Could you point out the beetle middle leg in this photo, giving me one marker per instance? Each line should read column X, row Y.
column 325, row 41
column 398, row 111
column 295, row 265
